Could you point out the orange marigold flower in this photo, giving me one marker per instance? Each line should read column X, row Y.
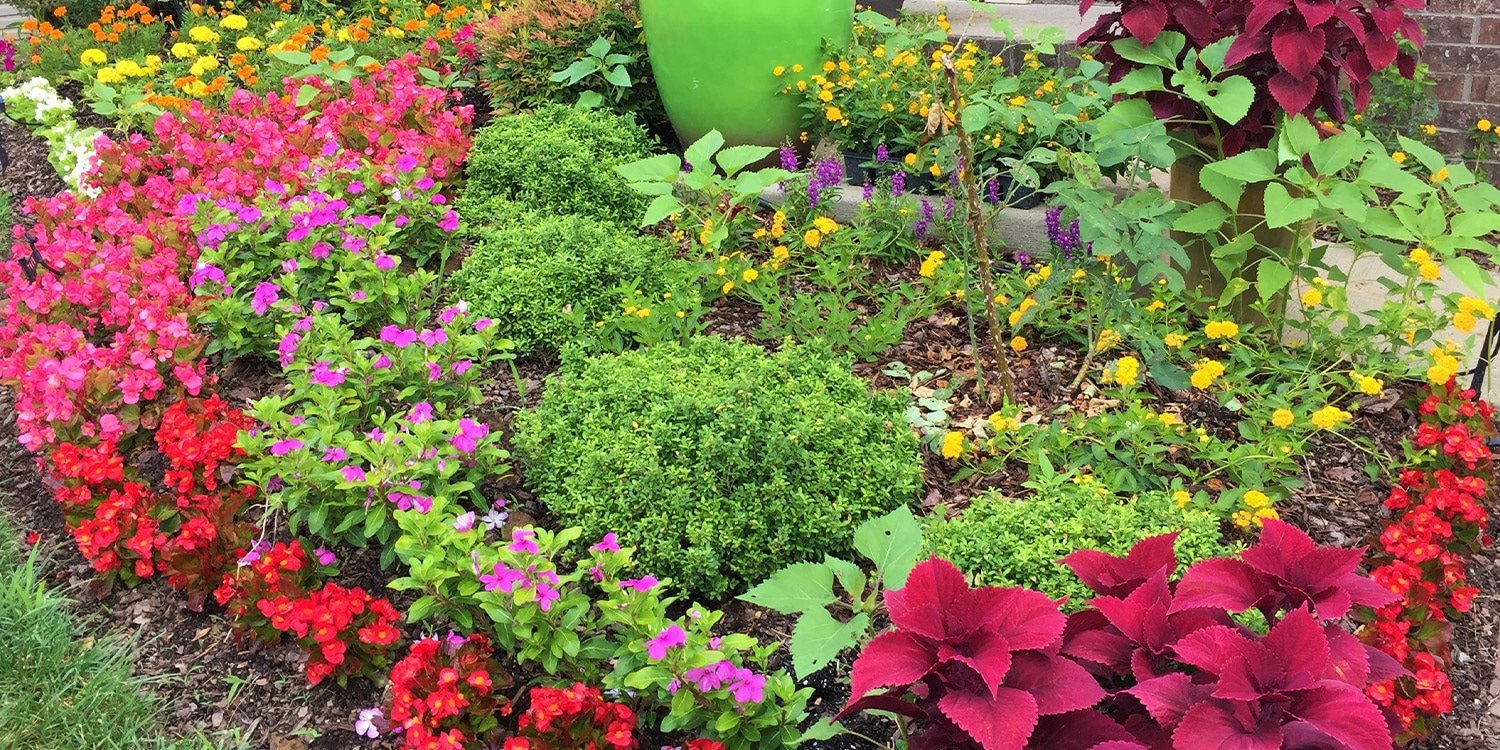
column 414, row 24
column 60, row 11
column 431, row 10
column 320, row 53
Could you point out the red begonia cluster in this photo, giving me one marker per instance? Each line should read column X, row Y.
column 572, row 718
column 1440, row 520
column 446, row 692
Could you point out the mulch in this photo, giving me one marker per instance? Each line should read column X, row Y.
column 210, row 681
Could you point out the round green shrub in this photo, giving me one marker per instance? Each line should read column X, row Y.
column 719, row 462
column 559, row 160
column 541, row 278
column 1006, row 542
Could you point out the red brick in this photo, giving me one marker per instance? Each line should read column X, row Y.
column 1485, row 89
column 1473, row 7
column 1461, row 116
column 1459, row 58
column 1489, row 31
column 1448, row 29
column 1451, row 87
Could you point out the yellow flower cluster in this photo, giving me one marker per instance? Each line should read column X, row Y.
column 1126, row 371
column 1444, row 367
column 1330, row 417
column 1470, row 310
column 1427, row 268
column 1221, row 329
column 1368, row 385
column 1205, row 372
column 953, row 445
column 1257, row 510
column 931, row 264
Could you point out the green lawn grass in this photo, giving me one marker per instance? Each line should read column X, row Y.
column 59, row 688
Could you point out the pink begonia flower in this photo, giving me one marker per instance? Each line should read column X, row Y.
column 670, row 637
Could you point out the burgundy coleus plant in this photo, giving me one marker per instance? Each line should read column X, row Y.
column 1297, row 53
column 980, row 668
column 1186, row 675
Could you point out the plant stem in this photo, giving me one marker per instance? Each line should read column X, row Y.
column 976, row 221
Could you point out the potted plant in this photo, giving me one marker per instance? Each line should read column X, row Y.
column 713, row 61
column 1294, row 59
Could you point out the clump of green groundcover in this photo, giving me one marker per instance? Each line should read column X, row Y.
column 720, row 462
column 545, row 279
column 557, row 160
column 1020, row 542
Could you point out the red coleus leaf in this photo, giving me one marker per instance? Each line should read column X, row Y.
column 1168, row 697
column 1145, row 20
column 938, row 602
column 1221, row 583
column 1298, row 49
column 1343, row 714
column 1002, row 722
column 1082, row 730
column 1026, row 619
column 1300, row 648
column 1058, row 684
column 1109, row 575
column 1215, row 724
column 893, row 658
column 1315, row 12
column 985, row 652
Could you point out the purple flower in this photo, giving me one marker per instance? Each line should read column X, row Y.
column 434, row 371
column 670, row 637
column 352, row 473
column 433, row 337
column 287, row 348
column 882, row 154
column 464, row 522
column 523, row 540
column 948, row 206
column 205, row 273
column 610, row 543
column 642, row 584
column 358, row 295
column 385, row 262
column 449, row 222
column 364, row 726
column 460, row 367
column 356, row 187
column 325, row 557
column 256, row 549
column 469, row 435
column 323, row 374
column 503, row 578
column 483, row 323
column 420, row 413
column 920, row 228
column 406, row 163
column 381, row 362
column 826, row 174
column 789, row 159
column 898, row 184
column 869, row 193
column 398, row 337
column 285, row 446
column 335, row 455
column 320, row 250
column 448, row 314
column 748, row 687
column 265, row 295
column 495, row 518
column 993, row 186
column 289, row 265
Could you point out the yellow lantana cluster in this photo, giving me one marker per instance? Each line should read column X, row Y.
column 1205, row 372
column 1126, row 371
column 1470, row 310
column 1221, row 329
column 1330, row 417
column 931, row 264
column 1257, row 510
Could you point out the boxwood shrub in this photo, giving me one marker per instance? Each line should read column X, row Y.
column 558, row 160
column 1004, row 542
column 720, row 462
column 540, row 277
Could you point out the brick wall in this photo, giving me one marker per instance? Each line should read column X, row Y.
column 1463, row 52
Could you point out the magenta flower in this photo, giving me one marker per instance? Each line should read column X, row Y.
column 385, row 262
column 353, row 473
column 285, row 446
column 334, row 455
column 643, row 584
column 469, row 435
column 464, row 522
column 356, row 187
column 670, row 637
column 504, row 578
column 523, row 540
column 266, row 294
column 398, row 337
column 325, row 557
column 420, row 413
column 610, row 543
column 434, row 371
column 449, row 222
column 323, row 374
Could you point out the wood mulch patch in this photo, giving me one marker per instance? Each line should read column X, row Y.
column 213, row 682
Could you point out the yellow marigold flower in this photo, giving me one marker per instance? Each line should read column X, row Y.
column 184, row 50
column 1283, row 418
column 1368, row 385
column 931, row 264
column 1182, row 497
column 953, row 445
column 1174, row 340
column 1439, row 176
column 825, row 225
column 1206, row 372
column 247, row 44
column 1018, row 344
column 1330, row 417
column 749, row 275
column 1127, row 370
column 812, row 238
column 1312, row 298
column 1255, row 500
column 1484, row 126
column 203, row 35
column 93, row 56
column 234, row 22
column 1399, row 157
column 203, row 65
column 109, row 75
column 1221, row 329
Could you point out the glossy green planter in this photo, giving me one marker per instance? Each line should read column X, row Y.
column 713, row 61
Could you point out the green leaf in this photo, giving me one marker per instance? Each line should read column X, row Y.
column 576, row 72
column 823, row 730
column 306, row 94
column 848, row 574
column 975, row 117
column 660, row 168
column 1213, row 55
column 1271, row 277
column 893, row 542
column 599, row 48
column 700, row 154
column 801, row 587
column 818, row 639
column 660, row 209
column 618, row 76
column 293, row 57
column 420, row 609
column 1202, row 219
column 735, row 158
column 1282, row 210
column 1226, row 179
column 1141, row 80
column 595, row 100
column 1471, row 274
column 1232, row 100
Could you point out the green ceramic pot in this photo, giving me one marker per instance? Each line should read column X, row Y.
column 713, row 61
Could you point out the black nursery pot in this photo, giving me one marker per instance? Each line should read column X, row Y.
column 887, row 8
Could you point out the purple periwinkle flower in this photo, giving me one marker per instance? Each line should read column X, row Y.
column 325, row 557
column 420, row 413
column 352, row 473
column 523, row 540
column 283, row 447
column 469, row 435
column 266, row 294
column 464, row 522
column 670, row 637
column 610, row 543
column 385, row 262
column 325, row 375
column 397, row 336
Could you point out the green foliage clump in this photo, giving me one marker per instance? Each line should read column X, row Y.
column 557, row 160
column 720, row 462
column 545, row 278
column 1007, row 542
